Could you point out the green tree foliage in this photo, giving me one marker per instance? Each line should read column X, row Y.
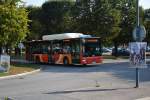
column 127, row 23
column 128, row 20
column 97, row 17
column 55, row 16
column 35, row 26
column 13, row 22
column 52, row 18
column 147, row 24
column 107, row 20
column 113, row 20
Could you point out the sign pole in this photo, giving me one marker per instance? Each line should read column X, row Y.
column 137, row 78
column 137, row 13
column 138, row 39
column 138, row 47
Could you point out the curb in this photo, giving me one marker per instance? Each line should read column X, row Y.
column 20, row 75
column 145, row 98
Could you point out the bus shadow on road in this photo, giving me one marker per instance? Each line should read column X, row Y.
column 59, row 68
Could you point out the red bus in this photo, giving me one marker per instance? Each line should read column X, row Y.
column 67, row 48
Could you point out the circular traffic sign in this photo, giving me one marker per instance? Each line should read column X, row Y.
column 139, row 33
column 20, row 45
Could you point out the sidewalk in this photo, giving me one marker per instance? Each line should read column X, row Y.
column 120, row 60
column 115, row 60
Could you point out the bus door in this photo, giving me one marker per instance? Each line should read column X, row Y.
column 49, row 53
column 56, row 52
column 76, row 51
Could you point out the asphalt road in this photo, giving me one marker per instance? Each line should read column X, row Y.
column 109, row 81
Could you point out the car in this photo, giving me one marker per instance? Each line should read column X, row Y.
column 121, row 52
column 106, row 51
column 148, row 49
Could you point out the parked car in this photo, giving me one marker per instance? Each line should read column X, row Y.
column 121, row 52
column 106, row 51
column 148, row 49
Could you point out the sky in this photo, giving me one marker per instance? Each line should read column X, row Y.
column 144, row 3
column 34, row 2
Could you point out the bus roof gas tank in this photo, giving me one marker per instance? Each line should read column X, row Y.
column 64, row 36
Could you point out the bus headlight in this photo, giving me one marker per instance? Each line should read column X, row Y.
column 84, row 61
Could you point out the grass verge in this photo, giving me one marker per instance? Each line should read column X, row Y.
column 3, row 74
column 18, row 68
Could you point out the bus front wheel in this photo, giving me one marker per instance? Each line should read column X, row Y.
column 37, row 60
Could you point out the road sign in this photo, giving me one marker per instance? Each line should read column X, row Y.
column 20, row 45
column 137, row 54
column 139, row 33
column 4, row 63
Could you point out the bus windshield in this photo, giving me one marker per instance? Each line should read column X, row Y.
column 91, row 49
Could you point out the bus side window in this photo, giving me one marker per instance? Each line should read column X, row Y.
column 67, row 49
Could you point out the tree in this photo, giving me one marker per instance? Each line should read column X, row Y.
column 35, row 25
column 128, row 20
column 127, row 23
column 55, row 16
column 96, row 17
column 13, row 23
column 107, row 19
column 147, row 24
